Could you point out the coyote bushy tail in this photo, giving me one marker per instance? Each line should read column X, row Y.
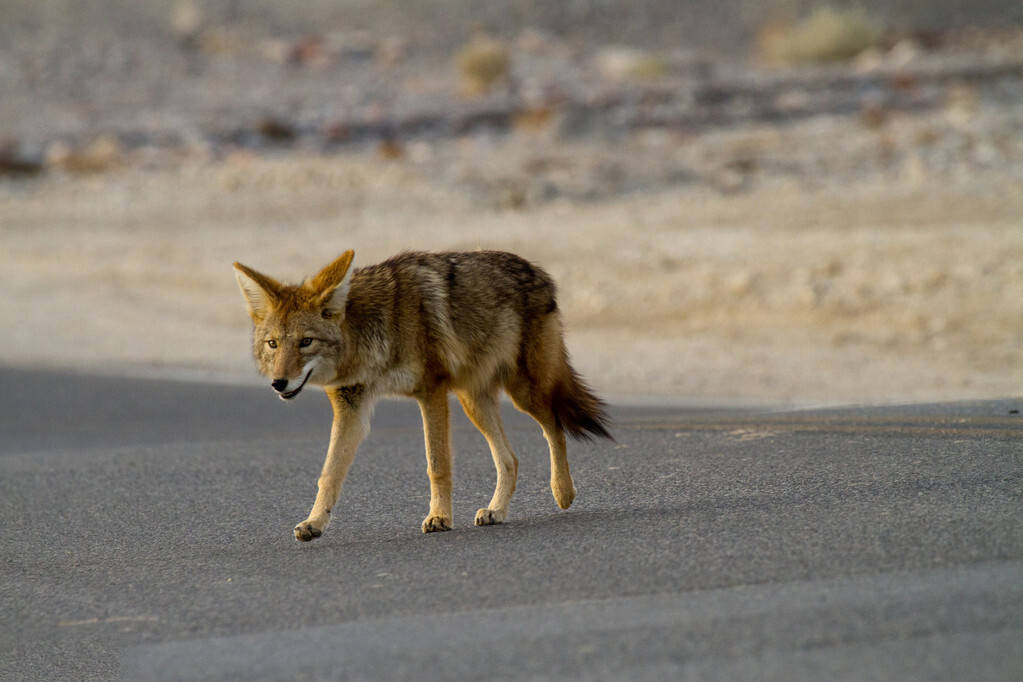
column 578, row 410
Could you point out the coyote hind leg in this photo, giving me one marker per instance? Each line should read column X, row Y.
column 539, row 408
column 562, row 486
column 484, row 411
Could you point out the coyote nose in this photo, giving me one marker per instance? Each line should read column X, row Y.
column 279, row 384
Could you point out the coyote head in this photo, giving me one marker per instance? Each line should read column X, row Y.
column 297, row 335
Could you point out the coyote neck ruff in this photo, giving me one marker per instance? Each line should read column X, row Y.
column 420, row 325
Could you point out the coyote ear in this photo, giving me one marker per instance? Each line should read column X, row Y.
column 331, row 284
column 261, row 293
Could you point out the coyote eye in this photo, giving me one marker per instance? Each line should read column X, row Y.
column 305, row 342
column 272, row 343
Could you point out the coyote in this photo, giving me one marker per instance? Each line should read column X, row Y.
column 420, row 325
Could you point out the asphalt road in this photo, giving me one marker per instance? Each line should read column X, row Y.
column 146, row 534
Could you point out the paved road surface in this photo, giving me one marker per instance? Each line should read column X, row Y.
column 146, row 533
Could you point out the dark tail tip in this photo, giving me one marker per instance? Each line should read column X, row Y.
column 579, row 411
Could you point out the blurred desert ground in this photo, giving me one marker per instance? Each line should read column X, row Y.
column 726, row 225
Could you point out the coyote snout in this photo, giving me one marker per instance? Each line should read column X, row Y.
column 421, row 325
column 282, row 386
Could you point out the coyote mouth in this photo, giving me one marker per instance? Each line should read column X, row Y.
column 291, row 394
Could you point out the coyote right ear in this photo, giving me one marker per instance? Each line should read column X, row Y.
column 261, row 293
column 331, row 284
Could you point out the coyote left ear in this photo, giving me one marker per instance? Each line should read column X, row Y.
column 332, row 283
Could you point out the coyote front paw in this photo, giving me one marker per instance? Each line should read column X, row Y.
column 436, row 523
column 307, row 530
column 490, row 517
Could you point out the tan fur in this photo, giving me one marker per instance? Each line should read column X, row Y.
column 421, row 325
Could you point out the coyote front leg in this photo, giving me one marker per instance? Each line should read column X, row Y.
column 434, row 406
column 351, row 425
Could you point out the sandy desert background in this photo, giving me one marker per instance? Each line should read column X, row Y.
column 736, row 211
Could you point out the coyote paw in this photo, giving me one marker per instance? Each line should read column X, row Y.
column 306, row 531
column 433, row 524
column 563, row 495
column 490, row 517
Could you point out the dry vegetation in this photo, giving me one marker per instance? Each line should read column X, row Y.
column 482, row 64
column 825, row 35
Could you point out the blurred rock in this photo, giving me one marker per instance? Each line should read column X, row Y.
column 351, row 46
column 337, row 132
column 904, row 53
column 869, row 60
column 744, row 163
column 308, row 51
column 275, row 129
column 929, row 40
column 391, row 149
column 873, row 113
column 904, row 80
column 730, row 181
column 741, row 283
column 794, row 101
column 275, row 49
column 21, row 158
column 56, row 153
column 621, row 63
column 186, row 22
column 105, row 153
column 657, row 138
column 961, row 103
column 533, row 120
